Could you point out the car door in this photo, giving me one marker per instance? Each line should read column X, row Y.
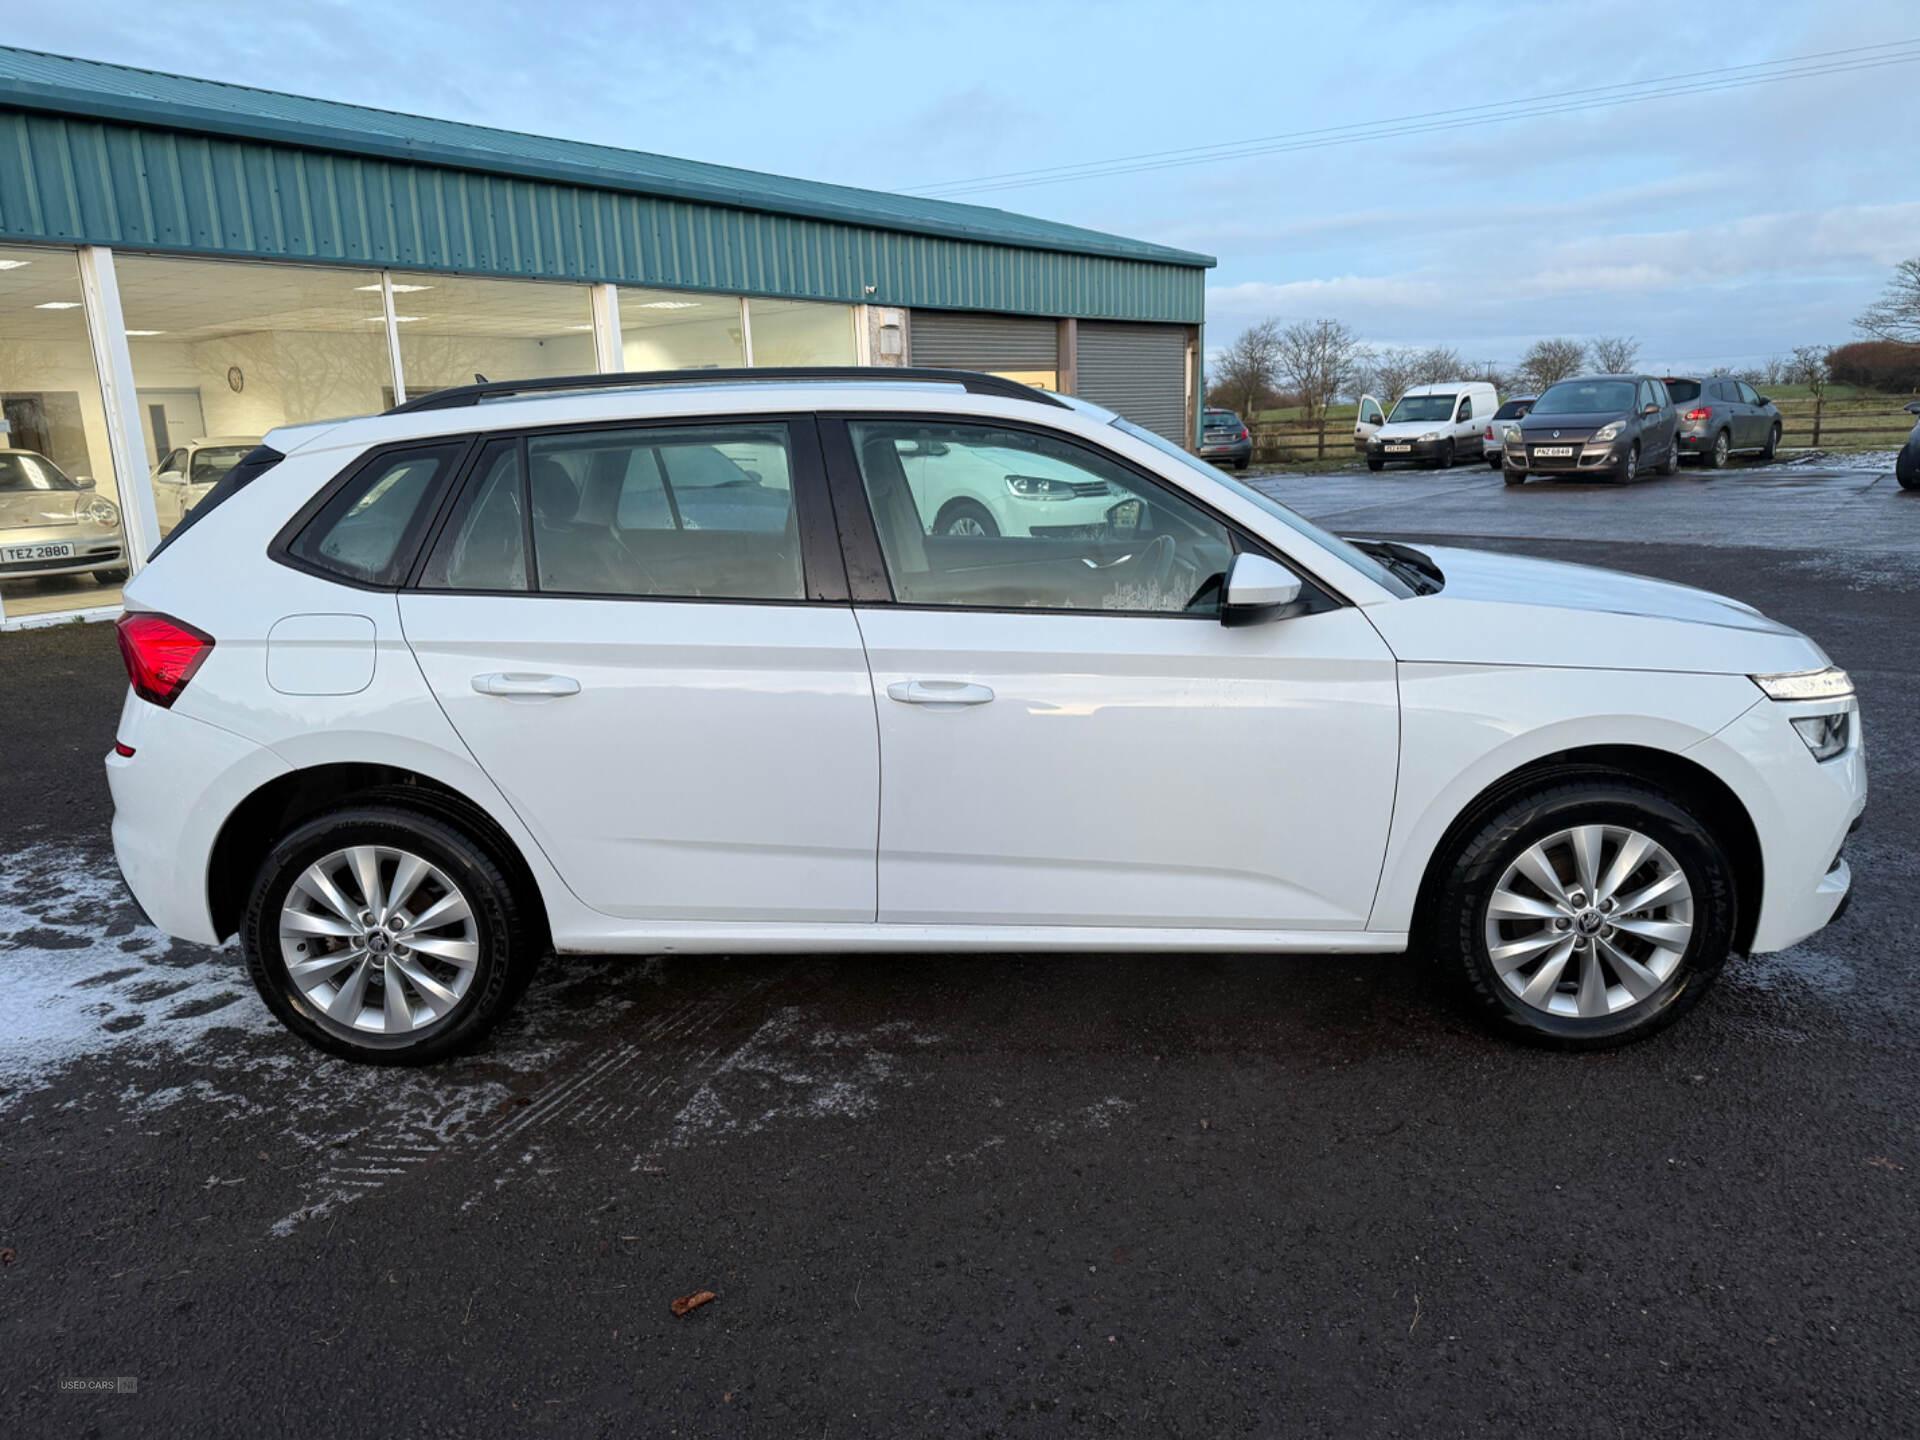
column 642, row 634
column 1068, row 735
column 1367, row 419
column 1759, row 422
column 1466, row 430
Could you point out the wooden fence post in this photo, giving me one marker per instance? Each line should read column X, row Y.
column 1818, row 402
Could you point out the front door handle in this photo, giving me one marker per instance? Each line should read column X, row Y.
column 503, row 683
column 939, row 692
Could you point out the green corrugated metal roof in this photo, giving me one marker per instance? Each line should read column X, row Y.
column 59, row 84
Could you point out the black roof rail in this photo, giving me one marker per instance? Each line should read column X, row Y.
column 975, row 382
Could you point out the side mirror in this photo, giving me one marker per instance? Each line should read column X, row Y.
column 1650, row 410
column 1761, row 400
column 85, row 482
column 1257, row 589
column 1914, row 408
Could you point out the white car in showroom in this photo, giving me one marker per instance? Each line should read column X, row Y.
column 55, row 524
column 184, row 475
column 686, row 663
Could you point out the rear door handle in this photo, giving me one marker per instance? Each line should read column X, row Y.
column 938, row 692
column 506, row 683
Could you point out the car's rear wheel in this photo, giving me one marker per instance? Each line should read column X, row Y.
column 1773, row 443
column 1242, row 463
column 1589, row 912
column 1493, row 462
column 1671, row 464
column 386, row 935
column 964, row 517
column 1716, row 454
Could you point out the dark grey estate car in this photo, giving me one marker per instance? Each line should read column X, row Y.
column 1605, row 427
column 1906, row 468
column 1721, row 416
column 1224, row 439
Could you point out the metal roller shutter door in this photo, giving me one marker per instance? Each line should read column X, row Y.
column 1140, row 371
column 954, row 340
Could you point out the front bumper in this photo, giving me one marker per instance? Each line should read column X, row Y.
column 1610, row 456
column 1415, row 449
column 90, row 552
column 1802, row 811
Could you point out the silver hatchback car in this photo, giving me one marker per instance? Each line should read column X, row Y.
column 51, row 524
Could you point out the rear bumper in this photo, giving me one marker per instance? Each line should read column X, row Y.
column 170, row 799
column 1228, row 450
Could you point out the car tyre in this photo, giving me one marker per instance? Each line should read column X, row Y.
column 1493, row 462
column 505, row 942
column 1715, row 457
column 1630, row 471
column 965, row 517
column 1375, row 463
column 111, row 577
column 1671, row 465
column 1513, row 477
column 1906, row 466
column 1242, row 464
column 1626, row 1002
column 1444, row 461
column 1773, row 443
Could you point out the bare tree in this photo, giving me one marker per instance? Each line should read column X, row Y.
column 1774, row 372
column 1438, row 363
column 1550, row 361
column 1813, row 368
column 1394, row 369
column 1489, row 371
column 1896, row 314
column 1317, row 358
column 1614, row 354
column 1245, row 372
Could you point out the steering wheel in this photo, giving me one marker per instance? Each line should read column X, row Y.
column 1152, row 567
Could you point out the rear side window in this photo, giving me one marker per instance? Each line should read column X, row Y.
column 251, row 466
column 368, row 530
column 484, row 546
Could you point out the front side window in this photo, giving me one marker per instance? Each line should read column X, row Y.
column 1748, row 395
column 1466, row 408
column 370, row 527
column 698, row 512
column 1370, row 412
column 976, row 515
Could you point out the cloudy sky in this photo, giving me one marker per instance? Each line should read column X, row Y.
column 1718, row 227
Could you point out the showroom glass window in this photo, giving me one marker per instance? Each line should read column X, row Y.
column 680, row 330
column 801, row 332
column 223, row 351
column 50, row 398
column 453, row 328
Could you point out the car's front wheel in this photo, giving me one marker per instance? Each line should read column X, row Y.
column 1591, row 911
column 386, row 935
column 965, row 517
column 1773, row 443
column 1630, row 468
column 1374, row 462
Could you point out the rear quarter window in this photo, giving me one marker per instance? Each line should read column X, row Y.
column 367, row 531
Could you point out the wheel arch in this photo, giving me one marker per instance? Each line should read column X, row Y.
column 1711, row 797
column 288, row 799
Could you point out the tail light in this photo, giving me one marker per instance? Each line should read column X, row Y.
column 1699, row 414
column 1488, row 434
column 161, row 654
column 1243, row 432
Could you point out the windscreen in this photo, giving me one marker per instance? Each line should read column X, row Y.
column 1358, row 559
column 216, row 460
column 1422, row 407
column 1513, row 410
column 1222, row 417
column 21, row 472
column 1586, row 397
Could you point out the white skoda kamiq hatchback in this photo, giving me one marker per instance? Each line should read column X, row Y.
column 684, row 663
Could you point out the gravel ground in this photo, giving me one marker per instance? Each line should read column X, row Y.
column 1005, row 1195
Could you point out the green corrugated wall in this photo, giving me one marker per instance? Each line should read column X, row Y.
column 69, row 181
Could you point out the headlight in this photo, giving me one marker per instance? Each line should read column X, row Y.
column 103, row 512
column 1431, row 435
column 1832, row 683
column 1043, row 487
column 1607, row 432
column 1826, row 735
column 1513, row 435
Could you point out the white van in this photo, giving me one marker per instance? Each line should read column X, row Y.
column 1434, row 424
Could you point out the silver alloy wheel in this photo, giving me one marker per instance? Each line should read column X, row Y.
column 1589, row 921
column 1633, row 462
column 1721, row 449
column 378, row 939
column 965, row 525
